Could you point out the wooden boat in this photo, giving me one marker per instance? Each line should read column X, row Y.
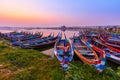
column 111, row 53
column 85, row 53
column 30, row 36
column 27, row 38
column 48, row 42
column 114, row 42
column 37, row 43
column 64, row 52
column 100, row 39
column 15, row 36
column 111, row 40
column 12, row 35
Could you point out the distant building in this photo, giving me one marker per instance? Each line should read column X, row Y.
column 63, row 28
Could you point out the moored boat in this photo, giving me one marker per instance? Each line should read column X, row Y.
column 15, row 36
column 37, row 43
column 64, row 52
column 27, row 38
column 49, row 42
column 111, row 53
column 87, row 55
column 114, row 42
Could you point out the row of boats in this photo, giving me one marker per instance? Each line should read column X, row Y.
column 92, row 48
column 30, row 40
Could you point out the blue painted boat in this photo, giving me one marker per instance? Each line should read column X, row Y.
column 27, row 38
column 22, row 36
column 113, row 41
column 64, row 52
column 12, row 36
column 47, row 42
column 37, row 43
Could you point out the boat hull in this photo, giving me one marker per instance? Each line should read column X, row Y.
column 64, row 57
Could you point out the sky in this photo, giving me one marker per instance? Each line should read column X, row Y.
column 55, row 13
